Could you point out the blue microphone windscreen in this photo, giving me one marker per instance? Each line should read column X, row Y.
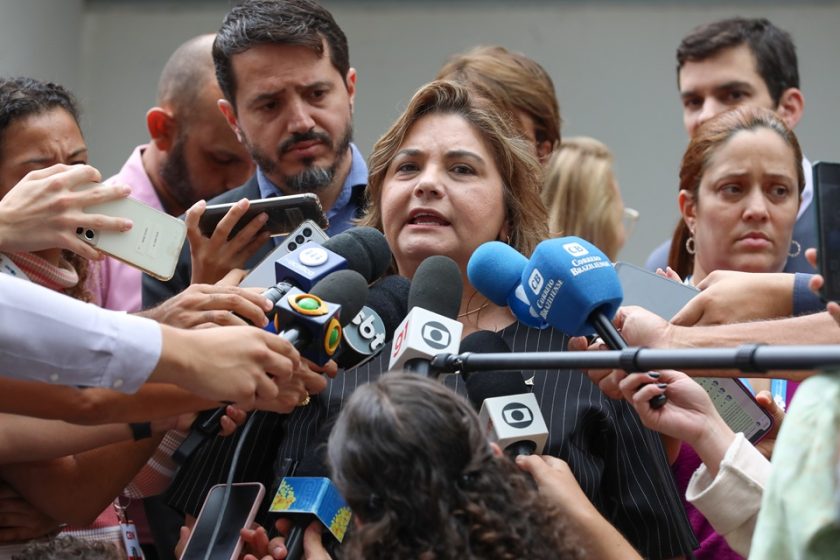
column 567, row 279
column 495, row 270
column 437, row 287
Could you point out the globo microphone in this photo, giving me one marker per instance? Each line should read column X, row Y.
column 374, row 326
column 495, row 270
column 312, row 321
column 509, row 411
column 574, row 287
column 430, row 326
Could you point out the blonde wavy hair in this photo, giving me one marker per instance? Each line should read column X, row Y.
column 580, row 195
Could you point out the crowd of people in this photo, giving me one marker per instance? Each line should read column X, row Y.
column 106, row 368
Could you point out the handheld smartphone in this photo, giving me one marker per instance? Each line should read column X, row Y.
column 733, row 400
column 153, row 244
column 285, row 213
column 263, row 275
column 243, row 502
column 827, row 201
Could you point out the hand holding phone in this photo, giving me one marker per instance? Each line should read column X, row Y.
column 284, row 213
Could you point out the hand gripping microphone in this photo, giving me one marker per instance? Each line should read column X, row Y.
column 574, row 287
column 363, row 249
column 373, row 327
column 310, row 495
column 312, row 321
column 495, row 270
column 430, row 326
column 509, row 411
column 315, row 331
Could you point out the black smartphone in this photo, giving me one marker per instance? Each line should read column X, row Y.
column 733, row 400
column 827, row 201
column 242, row 505
column 285, row 213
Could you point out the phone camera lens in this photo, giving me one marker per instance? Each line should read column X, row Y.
column 292, row 246
column 79, row 230
column 300, row 240
column 307, row 232
column 89, row 233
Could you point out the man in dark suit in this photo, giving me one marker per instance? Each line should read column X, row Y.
column 734, row 62
column 283, row 68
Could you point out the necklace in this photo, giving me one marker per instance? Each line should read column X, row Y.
column 469, row 312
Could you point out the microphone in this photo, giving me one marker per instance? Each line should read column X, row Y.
column 495, row 270
column 311, row 321
column 482, row 342
column 506, row 407
column 309, row 495
column 363, row 249
column 371, row 329
column 430, row 326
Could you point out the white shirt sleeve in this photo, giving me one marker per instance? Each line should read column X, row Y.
column 731, row 500
column 47, row 336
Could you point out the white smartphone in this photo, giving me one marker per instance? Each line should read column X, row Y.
column 153, row 244
column 244, row 501
column 263, row 275
column 733, row 400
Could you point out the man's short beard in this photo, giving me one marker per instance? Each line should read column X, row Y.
column 312, row 178
column 176, row 176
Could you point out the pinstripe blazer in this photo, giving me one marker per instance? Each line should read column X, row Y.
column 615, row 459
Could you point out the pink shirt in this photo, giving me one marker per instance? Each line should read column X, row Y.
column 114, row 284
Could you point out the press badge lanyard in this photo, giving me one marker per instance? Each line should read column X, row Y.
column 129, row 533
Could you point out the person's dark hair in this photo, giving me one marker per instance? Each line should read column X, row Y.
column 772, row 48
column 22, row 97
column 67, row 547
column 709, row 138
column 414, row 465
column 282, row 22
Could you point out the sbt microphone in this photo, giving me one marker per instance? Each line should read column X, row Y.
column 509, row 411
column 312, row 321
column 374, row 326
column 430, row 326
column 495, row 270
column 574, row 287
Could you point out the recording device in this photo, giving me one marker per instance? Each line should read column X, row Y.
column 483, row 342
column 312, row 321
column 362, row 249
column 262, row 275
column 827, row 201
column 285, row 213
column 733, row 400
column 430, row 327
column 374, row 326
column 153, row 244
column 310, row 495
column 244, row 500
column 495, row 270
column 506, row 407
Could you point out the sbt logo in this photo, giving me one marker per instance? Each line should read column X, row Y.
column 575, row 249
column 436, row 335
column 535, row 281
column 517, row 415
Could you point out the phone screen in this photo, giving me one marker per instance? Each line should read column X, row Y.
column 732, row 399
column 239, row 513
column 827, row 201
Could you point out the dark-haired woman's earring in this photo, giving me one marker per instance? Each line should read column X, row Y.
column 795, row 248
column 689, row 245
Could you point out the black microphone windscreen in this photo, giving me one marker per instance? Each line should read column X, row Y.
column 346, row 288
column 437, row 287
column 389, row 298
column 365, row 250
column 488, row 384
